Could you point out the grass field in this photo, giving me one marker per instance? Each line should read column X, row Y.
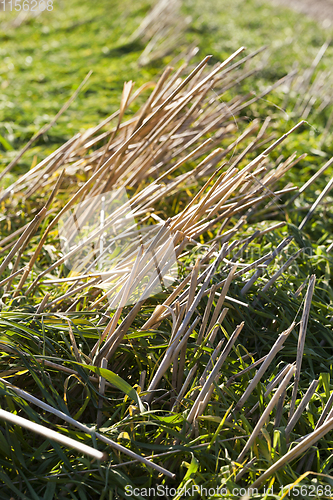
column 49, row 329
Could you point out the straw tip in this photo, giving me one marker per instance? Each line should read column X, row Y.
column 104, row 456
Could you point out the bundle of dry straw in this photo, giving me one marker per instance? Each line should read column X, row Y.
column 186, row 134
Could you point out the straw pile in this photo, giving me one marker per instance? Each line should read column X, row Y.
column 187, row 142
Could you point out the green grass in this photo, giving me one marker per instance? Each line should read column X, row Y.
column 44, row 61
column 63, row 46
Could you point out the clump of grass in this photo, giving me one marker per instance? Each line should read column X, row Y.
column 170, row 372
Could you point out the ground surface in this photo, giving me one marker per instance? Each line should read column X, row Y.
column 320, row 10
column 42, row 61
